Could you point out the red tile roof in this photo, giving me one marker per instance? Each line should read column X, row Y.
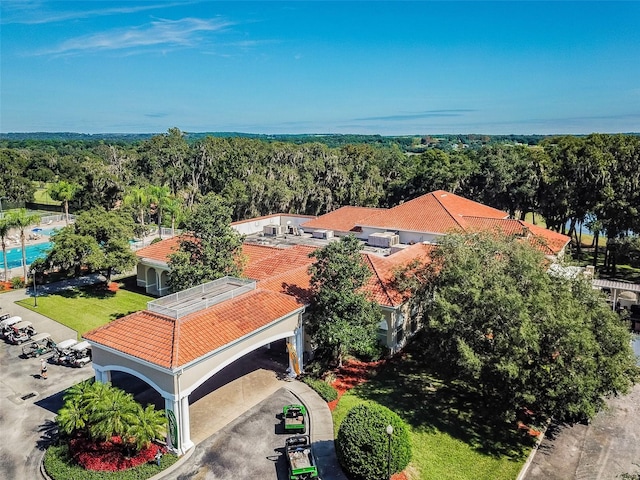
column 172, row 343
column 436, row 212
column 159, row 251
column 548, row 241
column 343, row 219
column 277, row 261
column 380, row 287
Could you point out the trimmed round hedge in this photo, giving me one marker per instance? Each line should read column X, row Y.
column 363, row 442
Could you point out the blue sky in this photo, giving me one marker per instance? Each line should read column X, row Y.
column 389, row 68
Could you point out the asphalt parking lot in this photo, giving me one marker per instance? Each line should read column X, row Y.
column 27, row 402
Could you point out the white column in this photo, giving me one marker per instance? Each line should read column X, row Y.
column 184, row 424
column 300, row 347
column 101, row 375
column 291, row 341
column 174, row 436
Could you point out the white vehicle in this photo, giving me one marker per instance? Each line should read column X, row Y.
column 81, row 353
column 76, row 354
column 21, row 332
column 63, row 350
column 5, row 325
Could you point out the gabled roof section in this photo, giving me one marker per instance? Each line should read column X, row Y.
column 295, row 282
column 436, row 212
column 276, row 261
column 344, row 219
column 547, row 241
column 160, row 251
column 171, row 343
column 381, row 284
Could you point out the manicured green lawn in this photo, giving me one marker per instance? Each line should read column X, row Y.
column 449, row 436
column 87, row 308
column 41, row 195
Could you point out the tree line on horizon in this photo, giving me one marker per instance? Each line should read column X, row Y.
column 570, row 181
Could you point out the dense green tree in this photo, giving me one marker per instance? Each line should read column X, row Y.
column 102, row 411
column 521, row 337
column 343, row 320
column 71, row 252
column 112, row 230
column 158, row 197
column 138, row 199
column 64, row 192
column 15, row 187
column 210, row 248
column 148, row 425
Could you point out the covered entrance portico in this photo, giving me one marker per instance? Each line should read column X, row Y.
column 184, row 339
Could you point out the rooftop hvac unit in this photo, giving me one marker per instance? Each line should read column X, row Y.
column 273, row 230
column 323, row 234
column 383, row 239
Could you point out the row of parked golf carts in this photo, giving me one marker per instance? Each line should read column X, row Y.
column 68, row 352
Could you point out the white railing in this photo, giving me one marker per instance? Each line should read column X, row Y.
column 200, row 297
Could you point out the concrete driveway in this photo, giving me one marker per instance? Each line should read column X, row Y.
column 251, row 446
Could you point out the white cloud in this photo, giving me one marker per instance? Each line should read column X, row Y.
column 160, row 33
column 28, row 12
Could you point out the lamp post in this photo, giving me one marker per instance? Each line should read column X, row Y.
column 389, row 433
column 35, row 292
column 1, row 212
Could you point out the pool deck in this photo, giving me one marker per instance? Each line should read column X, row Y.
column 12, row 244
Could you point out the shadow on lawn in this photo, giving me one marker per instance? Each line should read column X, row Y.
column 429, row 402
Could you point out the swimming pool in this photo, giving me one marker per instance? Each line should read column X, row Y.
column 14, row 255
column 49, row 231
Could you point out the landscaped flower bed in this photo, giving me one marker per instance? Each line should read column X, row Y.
column 110, row 455
column 351, row 374
column 60, row 465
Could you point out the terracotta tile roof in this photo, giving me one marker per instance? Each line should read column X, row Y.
column 159, row 251
column 507, row 226
column 435, row 212
column 554, row 241
column 277, row 261
column 295, row 282
column 548, row 241
column 343, row 219
column 381, row 284
column 169, row 343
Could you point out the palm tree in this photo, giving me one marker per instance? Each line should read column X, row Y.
column 149, row 424
column 113, row 415
column 21, row 219
column 139, row 200
column 173, row 206
column 64, row 191
column 96, row 395
column 4, row 233
column 72, row 416
column 159, row 196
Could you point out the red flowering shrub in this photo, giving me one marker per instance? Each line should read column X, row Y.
column 109, row 455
